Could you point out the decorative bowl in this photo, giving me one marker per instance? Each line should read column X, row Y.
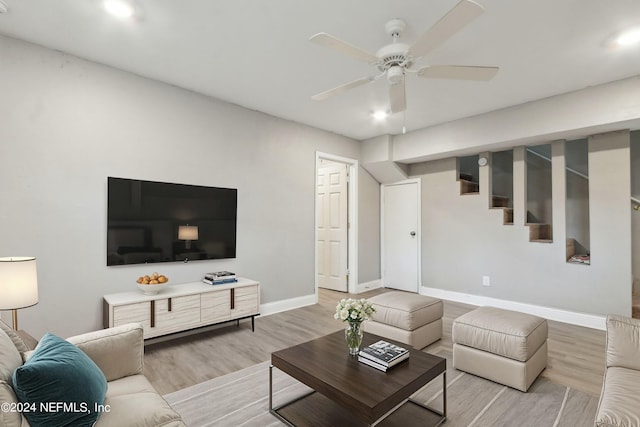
column 151, row 289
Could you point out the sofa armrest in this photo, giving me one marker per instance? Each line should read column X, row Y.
column 118, row 351
column 623, row 342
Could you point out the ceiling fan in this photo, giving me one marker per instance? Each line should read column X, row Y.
column 395, row 60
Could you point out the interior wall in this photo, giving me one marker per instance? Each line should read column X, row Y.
column 68, row 124
column 519, row 270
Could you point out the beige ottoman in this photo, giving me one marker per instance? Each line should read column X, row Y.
column 410, row 318
column 504, row 346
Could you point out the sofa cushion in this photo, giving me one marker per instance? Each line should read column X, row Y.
column 623, row 342
column 58, row 373
column 10, row 357
column 620, row 399
column 8, row 417
column 17, row 341
column 504, row 332
column 132, row 401
column 405, row 310
column 118, row 352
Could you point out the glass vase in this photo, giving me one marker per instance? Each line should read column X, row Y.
column 353, row 336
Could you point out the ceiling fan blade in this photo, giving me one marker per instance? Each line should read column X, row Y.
column 327, row 40
column 397, row 97
column 342, row 88
column 458, row 72
column 456, row 19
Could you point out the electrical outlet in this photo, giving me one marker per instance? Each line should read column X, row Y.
column 486, row 281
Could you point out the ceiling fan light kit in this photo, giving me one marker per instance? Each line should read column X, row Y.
column 397, row 59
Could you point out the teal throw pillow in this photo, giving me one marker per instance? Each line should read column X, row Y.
column 60, row 385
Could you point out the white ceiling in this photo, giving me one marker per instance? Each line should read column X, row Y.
column 256, row 53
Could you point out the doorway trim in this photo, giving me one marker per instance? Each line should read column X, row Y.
column 352, row 219
column 417, row 181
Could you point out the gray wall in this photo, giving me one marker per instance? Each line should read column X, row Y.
column 463, row 240
column 67, row 124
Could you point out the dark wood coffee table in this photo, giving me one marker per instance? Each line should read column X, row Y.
column 347, row 392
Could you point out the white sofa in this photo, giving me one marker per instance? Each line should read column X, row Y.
column 119, row 353
column 619, row 404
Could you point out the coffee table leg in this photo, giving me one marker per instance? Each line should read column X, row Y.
column 273, row 410
column 442, row 414
column 270, row 387
column 444, row 396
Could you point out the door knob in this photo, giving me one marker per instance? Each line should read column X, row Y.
column 413, row 234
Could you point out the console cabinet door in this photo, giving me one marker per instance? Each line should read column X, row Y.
column 245, row 301
column 216, row 306
column 176, row 314
column 139, row 312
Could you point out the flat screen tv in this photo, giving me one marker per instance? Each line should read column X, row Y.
column 149, row 222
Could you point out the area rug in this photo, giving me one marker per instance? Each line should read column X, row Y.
column 242, row 399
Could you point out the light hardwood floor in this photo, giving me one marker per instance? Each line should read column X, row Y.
column 576, row 354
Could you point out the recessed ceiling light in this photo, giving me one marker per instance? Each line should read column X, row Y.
column 119, row 8
column 380, row 115
column 628, row 37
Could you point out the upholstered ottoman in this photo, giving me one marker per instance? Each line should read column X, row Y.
column 413, row 319
column 504, row 346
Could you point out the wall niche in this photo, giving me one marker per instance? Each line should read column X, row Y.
column 539, row 191
column 577, row 201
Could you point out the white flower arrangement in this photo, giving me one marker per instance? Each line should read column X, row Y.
column 353, row 310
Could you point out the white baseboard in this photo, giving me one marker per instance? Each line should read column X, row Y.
column 287, row 304
column 572, row 317
column 367, row 286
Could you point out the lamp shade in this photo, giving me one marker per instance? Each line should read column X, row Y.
column 188, row 232
column 18, row 282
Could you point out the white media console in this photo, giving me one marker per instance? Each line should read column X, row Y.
column 182, row 307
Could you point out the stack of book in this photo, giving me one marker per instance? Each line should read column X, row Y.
column 383, row 355
column 219, row 278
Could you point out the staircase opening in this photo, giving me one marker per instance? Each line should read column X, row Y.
column 469, row 174
column 502, row 184
column 635, row 221
column 539, row 203
column 576, row 155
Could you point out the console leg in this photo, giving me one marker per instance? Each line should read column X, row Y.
column 253, row 328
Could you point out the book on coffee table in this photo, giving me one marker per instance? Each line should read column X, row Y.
column 384, row 354
column 373, row 364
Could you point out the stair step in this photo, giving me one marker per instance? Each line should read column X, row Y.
column 540, row 233
column 507, row 214
column 499, row 201
column 507, row 219
column 469, row 187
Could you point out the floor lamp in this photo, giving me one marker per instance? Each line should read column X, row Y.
column 18, row 284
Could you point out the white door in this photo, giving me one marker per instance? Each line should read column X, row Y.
column 401, row 235
column 332, row 223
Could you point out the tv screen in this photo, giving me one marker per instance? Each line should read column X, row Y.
column 150, row 222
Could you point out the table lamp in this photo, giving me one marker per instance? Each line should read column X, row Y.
column 188, row 233
column 18, row 284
